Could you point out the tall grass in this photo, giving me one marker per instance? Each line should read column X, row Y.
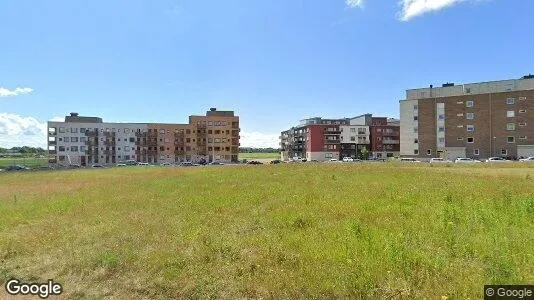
column 282, row 231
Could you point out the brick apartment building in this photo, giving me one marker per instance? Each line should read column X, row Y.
column 323, row 139
column 88, row 140
column 477, row 120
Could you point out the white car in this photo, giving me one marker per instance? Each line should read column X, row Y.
column 529, row 159
column 332, row 160
column 142, row 164
column 465, row 160
column 497, row 160
column 439, row 160
column 409, row 159
column 348, row 159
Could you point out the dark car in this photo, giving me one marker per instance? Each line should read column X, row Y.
column 72, row 166
column 275, row 162
column 17, row 168
column 97, row 166
column 255, row 162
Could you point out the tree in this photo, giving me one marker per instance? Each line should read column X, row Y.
column 364, row 152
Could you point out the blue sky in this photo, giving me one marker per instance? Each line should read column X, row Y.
column 272, row 61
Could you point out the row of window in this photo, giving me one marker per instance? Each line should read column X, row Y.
column 471, row 116
column 475, row 152
column 471, row 128
column 470, row 140
column 210, row 123
column 83, row 148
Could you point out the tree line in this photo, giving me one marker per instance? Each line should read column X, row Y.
column 258, row 150
column 25, row 150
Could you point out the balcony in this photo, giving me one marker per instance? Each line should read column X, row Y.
column 91, row 133
column 327, row 141
column 390, row 134
column 391, row 142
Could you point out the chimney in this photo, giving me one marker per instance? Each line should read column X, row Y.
column 213, row 109
column 73, row 114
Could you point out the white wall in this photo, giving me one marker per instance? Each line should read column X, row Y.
column 321, row 156
column 407, row 124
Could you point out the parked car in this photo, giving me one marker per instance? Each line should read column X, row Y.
column 528, row 159
column 333, row 160
column 166, row 164
column 186, row 164
column 17, row 168
column 255, row 162
column 275, row 162
column 348, row 159
column 142, row 164
column 121, row 164
column 465, row 160
column 409, row 159
column 74, row 166
column 130, row 163
column 216, row 163
column 497, row 160
column 97, row 166
column 439, row 160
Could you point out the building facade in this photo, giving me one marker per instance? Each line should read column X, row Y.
column 88, row 140
column 478, row 120
column 324, row 139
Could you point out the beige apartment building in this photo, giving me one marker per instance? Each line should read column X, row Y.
column 477, row 120
column 88, row 140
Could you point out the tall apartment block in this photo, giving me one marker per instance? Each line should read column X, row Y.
column 89, row 140
column 476, row 120
column 323, row 139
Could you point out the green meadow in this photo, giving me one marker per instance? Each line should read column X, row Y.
column 308, row 231
column 259, row 155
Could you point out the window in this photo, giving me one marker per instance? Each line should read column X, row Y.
column 428, row 152
column 210, row 140
column 510, row 139
column 510, row 126
column 353, row 129
column 415, row 152
column 415, row 118
column 469, row 103
column 62, row 129
column 61, row 148
column 504, row 152
column 82, row 149
column 210, row 123
column 523, row 137
column 459, row 138
column 352, row 138
column 460, row 115
column 162, row 131
column 126, row 148
column 470, row 116
column 459, row 102
column 510, row 114
column 522, row 111
column 82, row 130
column 470, row 140
column 74, row 130
column 460, row 126
column 470, row 127
column 440, row 105
column 74, row 139
column 126, row 130
column 74, row 148
column 522, row 98
column 441, row 129
column 223, row 123
column 83, row 139
column 328, row 155
column 468, row 90
column 510, row 101
column 415, row 130
column 416, row 141
column 416, row 107
column 476, row 152
column 217, row 140
column 441, row 117
column 441, row 140
column 522, row 124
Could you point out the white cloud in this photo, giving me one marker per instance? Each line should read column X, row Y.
column 354, row 3
column 414, row 8
column 259, row 140
column 16, row 130
column 18, row 91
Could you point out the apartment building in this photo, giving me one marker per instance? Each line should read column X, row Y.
column 476, row 120
column 324, row 139
column 88, row 140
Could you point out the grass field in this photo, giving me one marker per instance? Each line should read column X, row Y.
column 31, row 162
column 376, row 231
column 274, row 155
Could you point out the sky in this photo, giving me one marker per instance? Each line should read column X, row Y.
column 274, row 62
